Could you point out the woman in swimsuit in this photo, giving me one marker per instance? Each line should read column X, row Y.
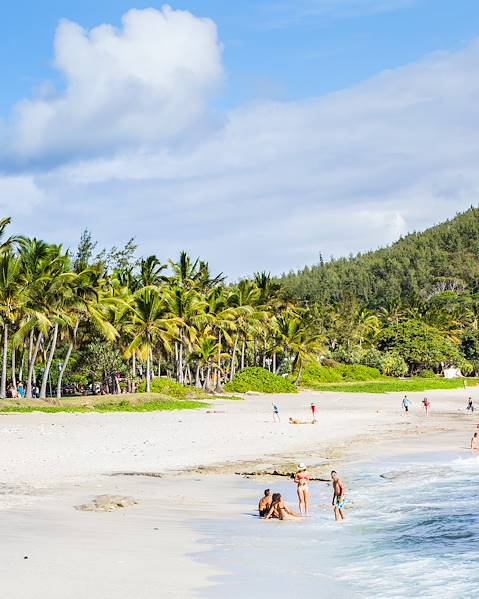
column 302, row 481
column 280, row 510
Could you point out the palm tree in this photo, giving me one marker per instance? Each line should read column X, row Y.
column 12, row 300
column 297, row 339
column 149, row 325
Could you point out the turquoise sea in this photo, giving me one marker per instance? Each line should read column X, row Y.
column 412, row 532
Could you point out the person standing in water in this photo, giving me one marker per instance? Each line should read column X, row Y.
column 265, row 503
column 302, row 481
column 313, row 411
column 475, row 442
column 338, row 496
column 405, row 404
column 276, row 413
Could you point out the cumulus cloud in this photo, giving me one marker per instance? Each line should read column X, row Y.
column 145, row 83
column 279, row 182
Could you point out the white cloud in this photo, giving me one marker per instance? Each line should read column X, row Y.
column 19, row 195
column 279, row 182
column 145, row 83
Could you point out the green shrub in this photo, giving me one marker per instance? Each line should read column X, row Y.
column 261, row 380
column 314, row 374
column 170, row 388
column 393, row 365
column 427, row 374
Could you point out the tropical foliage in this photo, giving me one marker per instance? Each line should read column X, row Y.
column 107, row 322
column 260, row 380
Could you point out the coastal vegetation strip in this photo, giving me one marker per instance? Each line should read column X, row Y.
column 109, row 323
column 393, row 385
column 127, row 403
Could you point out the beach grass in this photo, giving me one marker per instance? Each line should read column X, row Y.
column 132, row 402
column 388, row 385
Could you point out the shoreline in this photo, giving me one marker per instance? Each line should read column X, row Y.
column 157, row 538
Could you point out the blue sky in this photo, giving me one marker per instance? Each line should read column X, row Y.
column 291, row 110
column 268, row 51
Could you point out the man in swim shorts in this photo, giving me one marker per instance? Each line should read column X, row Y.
column 276, row 417
column 338, row 496
column 405, row 404
column 265, row 503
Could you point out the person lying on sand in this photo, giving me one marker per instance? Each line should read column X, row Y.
column 338, row 496
column 280, row 510
column 294, row 421
column 265, row 503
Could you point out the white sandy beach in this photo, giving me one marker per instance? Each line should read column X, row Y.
column 52, row 462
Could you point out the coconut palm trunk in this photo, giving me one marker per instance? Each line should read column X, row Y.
column 65, row 362
column 198, row 375
column 31, row 365
column 48, row 364
column 22, row 364
column 148, row 377
column 218, row 369
column 233, row 359
column 3, row 385
column 14, row 369
column 300, row 374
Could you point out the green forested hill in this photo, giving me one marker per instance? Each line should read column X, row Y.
column 443, row 258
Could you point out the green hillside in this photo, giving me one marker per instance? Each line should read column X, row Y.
column 445, row 257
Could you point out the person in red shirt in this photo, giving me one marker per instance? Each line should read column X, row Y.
column 313, row 411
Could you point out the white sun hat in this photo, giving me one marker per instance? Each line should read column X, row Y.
column 301, row 466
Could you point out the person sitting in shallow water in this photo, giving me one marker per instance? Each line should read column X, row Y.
column 280, row 510
column 265, row 503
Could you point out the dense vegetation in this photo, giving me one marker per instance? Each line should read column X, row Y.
column 402, row 309
column 107, row 322
column 261, row 380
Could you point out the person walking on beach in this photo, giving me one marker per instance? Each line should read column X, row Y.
column 470, row 406
column 302, row 481
column 475, row 442
column 405, row 404
column 276, row 417
column 313, row 411
column 265, row 503
column 427, row 405
column 338, row 496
